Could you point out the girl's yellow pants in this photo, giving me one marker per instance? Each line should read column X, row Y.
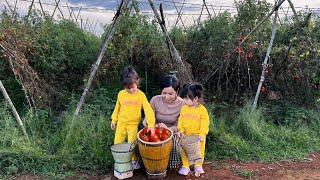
column 124, row 131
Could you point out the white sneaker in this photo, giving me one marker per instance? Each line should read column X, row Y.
column 135, row 165
column 184, row 171
column 198, row 171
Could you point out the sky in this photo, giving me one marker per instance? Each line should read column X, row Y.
column 96, row 13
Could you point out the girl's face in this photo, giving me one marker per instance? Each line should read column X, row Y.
column 191, row 103
column 169, row 94
column 132, row 89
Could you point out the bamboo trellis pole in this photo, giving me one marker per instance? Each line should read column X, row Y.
column 266, row 58
column 15, row 113
column 41, row 7
column 255, row 28
column 55, row 8
column 117, row 18
column 9, row 7
column 179, row 13
column 205, row 4
column 184, row 75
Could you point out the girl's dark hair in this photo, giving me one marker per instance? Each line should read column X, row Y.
column 192, row 90
column 129, row 76
column 170, row 81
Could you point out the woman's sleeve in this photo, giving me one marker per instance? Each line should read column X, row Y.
column 153, row 103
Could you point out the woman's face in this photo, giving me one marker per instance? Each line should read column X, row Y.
column 169, row 94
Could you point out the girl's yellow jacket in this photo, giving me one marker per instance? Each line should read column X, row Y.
column 128, row 109
column 194, row 120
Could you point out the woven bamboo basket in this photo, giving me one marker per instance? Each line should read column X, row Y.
column 191, row 146
column 155, row 156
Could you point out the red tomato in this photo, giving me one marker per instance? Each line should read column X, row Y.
column 143, row 137
column 264, row 89
column 158, row 131
column 251, row 45
column 164, row 136
column 250, row 55
column 166, row 131
column 145, row 130
column 154, row 138
column 239, row 50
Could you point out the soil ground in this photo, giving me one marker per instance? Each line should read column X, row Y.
column 307, row 169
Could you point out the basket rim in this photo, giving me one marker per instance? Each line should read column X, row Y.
column 156, row 143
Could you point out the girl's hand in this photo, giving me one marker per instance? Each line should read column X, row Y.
column 113, row 126
column 161, row 125
column 201, row 138
column 144, row 122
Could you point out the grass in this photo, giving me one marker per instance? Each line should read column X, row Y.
column 251, row 135
column 244, row 173
column 242, row 134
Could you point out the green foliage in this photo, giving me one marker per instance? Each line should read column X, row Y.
column 17, row 153
column 242, row 134
column 249, row 13
column 60, row 53
column 49, row 152
column 87, row 148
column 139, row 43
column 249, row 134
column 231, row 72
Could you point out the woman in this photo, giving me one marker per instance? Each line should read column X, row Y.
column 167, row 108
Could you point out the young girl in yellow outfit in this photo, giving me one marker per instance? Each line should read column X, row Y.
column 127, row 112
column 193, row 120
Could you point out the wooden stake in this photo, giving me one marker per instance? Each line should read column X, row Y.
column 15, row 7
column 9, row 6
column 199, row 18
column 30, row 8
column 79, row 13
column 255, row 28
column 15, row 113
column 294, row 13
column 74, row 16
column 70, row 13
column 57, row 4
column 44, row 14
column 266, row 58
column 214, row 12
column 205, row 4
column 179, row 13
column 184, row 74
column 117, row 18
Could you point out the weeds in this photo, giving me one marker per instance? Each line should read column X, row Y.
column 243, row 134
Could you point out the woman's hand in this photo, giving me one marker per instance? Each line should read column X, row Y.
column 161, row 125
column 181, row 135
column 113, row 126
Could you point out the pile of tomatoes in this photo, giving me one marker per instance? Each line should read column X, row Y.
column 154, row 134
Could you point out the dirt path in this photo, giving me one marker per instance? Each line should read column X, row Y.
column 309, row 168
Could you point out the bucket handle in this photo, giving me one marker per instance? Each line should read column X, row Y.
column 133, row 145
